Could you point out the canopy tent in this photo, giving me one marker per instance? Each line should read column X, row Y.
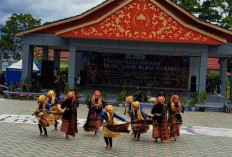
column 14, row 71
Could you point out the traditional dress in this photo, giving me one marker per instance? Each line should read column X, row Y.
column 174, row 117
column 128, row 103
column 57, row 112
column 160, row 124
column 51, row 100
column 69, row 118
column 96, row 106
column 108, row 116
column 137, row 120
column 41, row 114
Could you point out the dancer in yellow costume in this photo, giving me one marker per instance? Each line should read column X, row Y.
column 41, row 114
column 57, row 112
column 108, row 116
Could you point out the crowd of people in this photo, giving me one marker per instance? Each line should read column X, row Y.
column 165, row 119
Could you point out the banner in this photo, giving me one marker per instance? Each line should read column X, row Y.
column 136, row 70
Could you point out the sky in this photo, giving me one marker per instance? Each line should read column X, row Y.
column 47, row 10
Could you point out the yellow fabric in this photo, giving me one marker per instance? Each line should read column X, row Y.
column 57, row 108
column 41, row 99
column 108, row 133
column 109, row 110
column 129, row 100
column 136, row 108
column 51, row 95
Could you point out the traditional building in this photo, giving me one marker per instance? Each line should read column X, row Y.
column 134, row 43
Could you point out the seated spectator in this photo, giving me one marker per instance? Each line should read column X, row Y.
column 148, row 97
column 138, row 95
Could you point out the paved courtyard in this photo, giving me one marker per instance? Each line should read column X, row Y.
column 203, row 134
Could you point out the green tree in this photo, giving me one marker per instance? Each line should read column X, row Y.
column 227, row 11
column 214, row 11
column 16, row 23
column 191, row 6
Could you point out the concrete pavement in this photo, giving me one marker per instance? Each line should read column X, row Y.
column 203, row 134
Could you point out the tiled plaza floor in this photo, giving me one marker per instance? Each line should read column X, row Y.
column 23, row 140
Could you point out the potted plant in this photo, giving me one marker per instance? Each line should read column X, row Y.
column 88, row 98
column 120, row 99
column 193, row 101
column 202, row 98
column 192, row 104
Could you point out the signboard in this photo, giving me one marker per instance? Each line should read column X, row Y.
column 136, row 70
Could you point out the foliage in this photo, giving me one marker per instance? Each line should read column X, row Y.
column 77, row 90
column 37, row 55
column 183, row 100
column 16, row 23
column 214, row 11
column 203, row 96
column 64, row 74
column 88, row 98
column 67, row 88
column 193, row 99
column 120, row 98
column 190, row 5
column 212, row 82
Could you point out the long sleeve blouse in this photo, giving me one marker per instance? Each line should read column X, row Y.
column 105, row 117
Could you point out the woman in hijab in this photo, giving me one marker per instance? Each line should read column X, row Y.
column 69, row 118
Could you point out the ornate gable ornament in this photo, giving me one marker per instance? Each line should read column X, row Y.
column 143, row 20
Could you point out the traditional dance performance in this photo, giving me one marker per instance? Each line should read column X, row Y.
column 41, row 113
column 138, row 123
column 160, row 124
column 108, row 121
column 96, row 106
column 69, row 118
column 164, row 127
column 174, row 117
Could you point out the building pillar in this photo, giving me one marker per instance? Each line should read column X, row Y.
column 27, row 62
column 45, row 53
column 0, row 63
column 202, row 71
column 74, row 61
column 57, row 59
column 222, row 77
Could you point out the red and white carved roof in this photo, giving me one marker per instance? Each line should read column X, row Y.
column 137, row 20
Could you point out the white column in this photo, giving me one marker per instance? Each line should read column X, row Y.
column 202, row 71
column 27, row 62
column 223, row 68
column 72, row 65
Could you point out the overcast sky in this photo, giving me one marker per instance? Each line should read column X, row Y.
column 47, row 10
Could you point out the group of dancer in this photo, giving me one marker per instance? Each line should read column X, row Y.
column 165, row 119
column 50, row 110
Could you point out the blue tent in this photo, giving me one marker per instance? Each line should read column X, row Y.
column 14, row 72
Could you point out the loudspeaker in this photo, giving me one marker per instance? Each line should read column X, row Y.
column 193, row 84
column 47, row 74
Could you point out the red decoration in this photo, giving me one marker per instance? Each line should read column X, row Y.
column 145, row 21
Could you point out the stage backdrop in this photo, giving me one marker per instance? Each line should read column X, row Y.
column 136, row 70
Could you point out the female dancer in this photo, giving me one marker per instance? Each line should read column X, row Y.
column 96, row 106
column 69, row 118
column 138, row 115
column 174, row 118
column 108, row 116
column 160, row 124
